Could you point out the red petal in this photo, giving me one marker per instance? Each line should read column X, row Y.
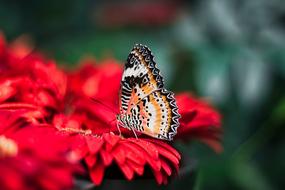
column 18, row 105
column 91, row 160
column 94, row 144
column 158, row 176
column 111, row 139
column 167, row 154
column 6, row 91
column 45, row 98
column 147, row 146
column 119, row 154
column 138, row 168
column 165, row 180
column 106, row 157
column 56, row 178
column 97, row 173
column 14, row 180
column 166, row 146
column 188, row 117
column 127, row 170
column 166, row 167
column 154, row 164
column 150, row 152
column 213, row 143
column 134, row 154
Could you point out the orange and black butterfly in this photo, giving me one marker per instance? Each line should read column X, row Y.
column 145, row 105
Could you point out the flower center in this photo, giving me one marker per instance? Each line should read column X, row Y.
column 8, row 147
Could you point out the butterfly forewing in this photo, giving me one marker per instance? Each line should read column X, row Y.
column 140, row 78
column 152, row 109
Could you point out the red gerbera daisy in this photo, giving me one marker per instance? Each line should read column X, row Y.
column 33, row 157
column 132, row 156
column 199, row 120
column 27, row 79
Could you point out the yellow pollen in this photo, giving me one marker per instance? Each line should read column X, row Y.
column 8, row 147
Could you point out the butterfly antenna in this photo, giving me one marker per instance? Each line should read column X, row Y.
column 100, row 102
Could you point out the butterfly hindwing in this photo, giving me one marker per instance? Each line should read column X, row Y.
column 157, row 115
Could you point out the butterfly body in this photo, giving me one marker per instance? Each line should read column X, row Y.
column 146, row 106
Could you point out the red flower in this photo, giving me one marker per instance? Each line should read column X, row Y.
column 99, row 81
column 34, row 158
column 199, row 120
column 93, row 95
column 132, row 156
column 26, row 78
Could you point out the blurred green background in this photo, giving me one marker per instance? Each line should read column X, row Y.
column 230, row 51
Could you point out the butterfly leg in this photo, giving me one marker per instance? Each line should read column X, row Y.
column 134, row 133
column 118, row 127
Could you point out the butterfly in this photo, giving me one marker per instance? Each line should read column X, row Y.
column 145, row 105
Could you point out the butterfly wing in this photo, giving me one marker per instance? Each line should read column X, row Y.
column 152, row 108
column 140, row 78
column 157, row 115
